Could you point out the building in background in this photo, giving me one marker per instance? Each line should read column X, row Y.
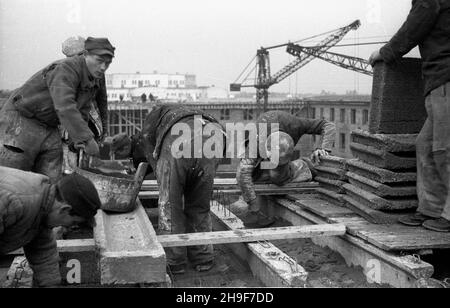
column 155, row 86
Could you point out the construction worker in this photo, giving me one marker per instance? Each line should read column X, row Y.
column 428, row 26
column 59, row 94
column 290, row 129
column 98, row 115
column 30, row 206
column 185, row 183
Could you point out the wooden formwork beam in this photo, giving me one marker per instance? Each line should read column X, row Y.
column 378, row 266
column 268, row 263
column 250, row 235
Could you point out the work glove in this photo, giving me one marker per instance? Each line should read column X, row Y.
column 90, row 147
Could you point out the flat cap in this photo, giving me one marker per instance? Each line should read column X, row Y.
column 99, row 46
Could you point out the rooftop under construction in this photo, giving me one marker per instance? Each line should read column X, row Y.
column 339, row 230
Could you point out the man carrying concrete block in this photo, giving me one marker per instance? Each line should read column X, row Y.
column 185, row 175
column 30, row 206
column 428, row 26
column 271, row 161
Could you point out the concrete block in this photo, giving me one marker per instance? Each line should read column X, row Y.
column 371, row 215
column 330, row 173
column 378, row 174
column 128, row 249
column 397, row 88
column 333, row 162
column 377, row 203
column 381, row 190
column 393, row 143
column 381, row 158
column 333, row 185
column 330, row 196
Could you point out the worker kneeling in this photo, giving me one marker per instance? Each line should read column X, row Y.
column 185, row 183
column 30, row 206
column 274, row 160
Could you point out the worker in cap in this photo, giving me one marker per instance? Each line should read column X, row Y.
column 98, row 114
column 30, row 206
column 185, row 183
column 428, row 27
column 274, row 161
column 59, row 95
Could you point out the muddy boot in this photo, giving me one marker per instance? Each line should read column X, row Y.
column 204, row 267
column 176, row 269
column 414, row 220
column 439, row 225
column 257, row 220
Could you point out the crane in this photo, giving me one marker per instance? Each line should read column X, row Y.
column 348, row 62
column 264, row 79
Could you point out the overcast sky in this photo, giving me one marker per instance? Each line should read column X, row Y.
column 212, row 39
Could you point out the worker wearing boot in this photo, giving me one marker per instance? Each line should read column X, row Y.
column 185, row 184
column 59, row 94
column 290, row 129
column 30, row 206
column 428, row 26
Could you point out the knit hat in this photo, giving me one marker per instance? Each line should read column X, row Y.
column 73, row 46
column 81, row 194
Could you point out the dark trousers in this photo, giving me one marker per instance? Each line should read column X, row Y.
column 185, row 191
column 29, row 145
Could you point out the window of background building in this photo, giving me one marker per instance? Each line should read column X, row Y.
column 321, row 113
column 225, row 114
column 331, row 114
column 342, row 143
column 342, row 116
column 248, row 114
column 353, row 116
column 365, row 118
column 313, row 113
column 109, row 82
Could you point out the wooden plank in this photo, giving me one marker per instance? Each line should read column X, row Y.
column 397, row 271
column 250, row 235
column 321, row 207
column 268, row 263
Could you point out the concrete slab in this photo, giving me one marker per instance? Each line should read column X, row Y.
column 393, row 143
column 334, row 162
column 333, row 185
column 128, row 249
column 379, row 174
column 330, row 196
column 330, row 173
column 379, row 189
column 397, row 88
column 377, row 203
column 382, row 158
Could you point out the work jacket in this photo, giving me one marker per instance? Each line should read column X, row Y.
column 159, row 122
column 61, row 93
column 427, row 25
column 26, row 198
column 249, row 168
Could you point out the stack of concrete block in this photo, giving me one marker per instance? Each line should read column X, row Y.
column 331, row 175
column 383, row 175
